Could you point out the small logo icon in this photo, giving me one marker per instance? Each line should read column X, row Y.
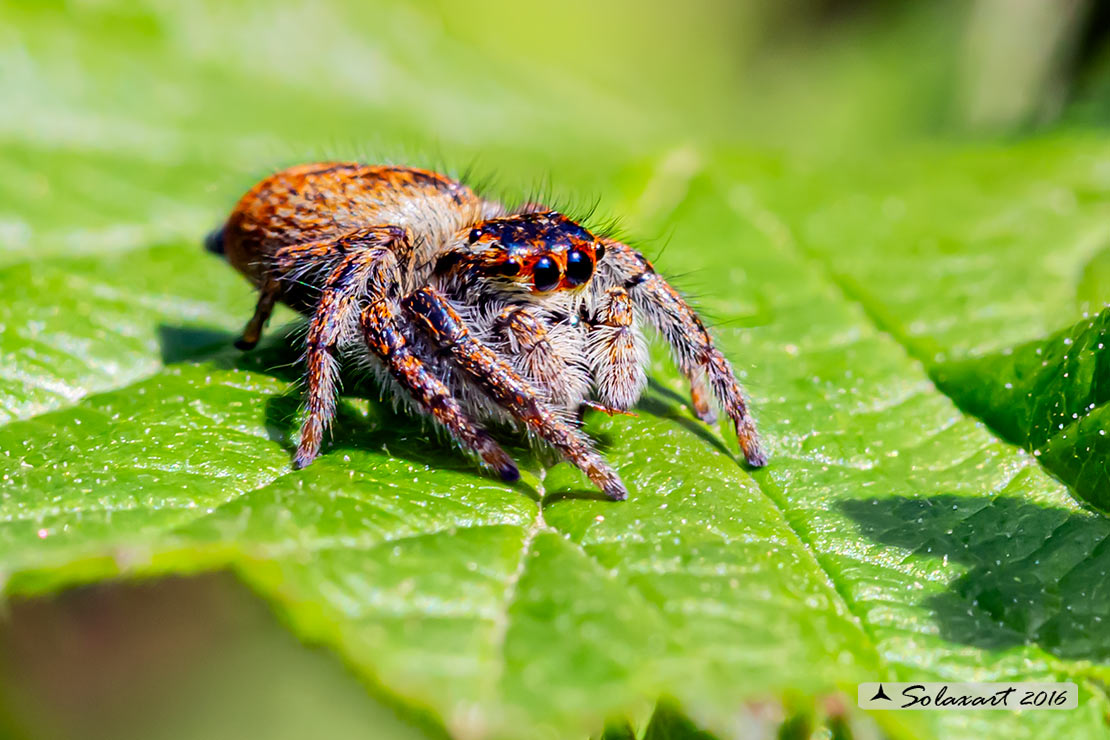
column 880, row 694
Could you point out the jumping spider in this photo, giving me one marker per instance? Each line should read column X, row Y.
column 465, row 309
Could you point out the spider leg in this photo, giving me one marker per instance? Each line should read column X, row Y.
column 292, row 262
column 365, row 265
column 616, row 351
column 366, row 269
column 690, row 342
column 446, row 328
column 385, row 338
column 540, row 352
column 699, row 396
column 609, row 410
column 252, row 332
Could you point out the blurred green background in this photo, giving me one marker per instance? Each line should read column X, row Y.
column 210, row 94
column 221, row 92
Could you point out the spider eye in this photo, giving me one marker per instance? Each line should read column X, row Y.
column 545, row 274
column 600, row 251
column 579, row 267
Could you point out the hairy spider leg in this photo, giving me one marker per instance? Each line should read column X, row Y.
column 386, row 339
column 535, row 349
column 699, row 396
column 617, row 352
column 540, row 359
column 446, row 328
column 366, row 272
column 363, row 270
column 252, row 333
column 690, row 342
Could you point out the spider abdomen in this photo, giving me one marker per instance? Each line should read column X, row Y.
column 321, row 203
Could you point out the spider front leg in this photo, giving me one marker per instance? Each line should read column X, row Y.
column 544, row 353
column 367, row 270
column 385, row 338
column 617, row 352
column 446, row 329
column 690, row 342
column 367, row 265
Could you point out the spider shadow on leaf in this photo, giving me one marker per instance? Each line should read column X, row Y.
column 662, row 402
column 576, row 494
column 185, row 343
column 1035, row 575
column 373, row 427
column 376, row 427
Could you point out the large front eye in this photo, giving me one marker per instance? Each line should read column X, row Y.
column 579, row 267
column 545, row 274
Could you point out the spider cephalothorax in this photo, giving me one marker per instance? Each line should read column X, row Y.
column 466, row 310
column 536, row 252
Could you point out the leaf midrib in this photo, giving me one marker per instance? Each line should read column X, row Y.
column 765, row 483
column 783, row 236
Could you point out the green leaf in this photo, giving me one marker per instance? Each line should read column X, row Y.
column 974, row 269
column 892, row 536
column 1051, row 397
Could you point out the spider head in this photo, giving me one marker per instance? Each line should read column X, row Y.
column 538, row 253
